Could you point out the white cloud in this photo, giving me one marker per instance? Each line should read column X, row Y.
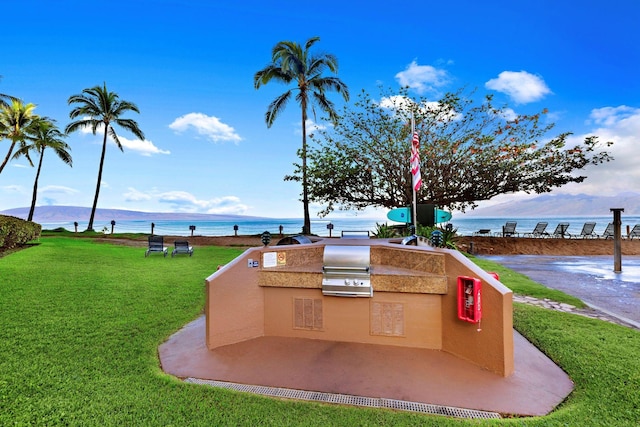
column 134, row 195
column 87, row 130
column 227, row 205
column 208, row 126
column 622, row 126
column 423, row 78
column 609, row 116
column 185, row 202
column 618, row 124
column 13, row 188
column 182, row 201
column 403, row 106
column 144, row 148
column 508, row 114
column 57, row 189
column 521, row 86
column 52, row 194
column 311, row 127
column 397, row 102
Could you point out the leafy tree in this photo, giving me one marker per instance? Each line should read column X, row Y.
column 15, row 120
column 99, row 108
column 293, row 63
column 44, row 134
column 468, row 153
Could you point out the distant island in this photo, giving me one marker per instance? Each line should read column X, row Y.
column 47, row 214
column 546, row 205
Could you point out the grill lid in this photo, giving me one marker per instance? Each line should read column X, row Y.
column 346, row 257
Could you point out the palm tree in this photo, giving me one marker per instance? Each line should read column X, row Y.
column 100, row 108
column 15, row 120
column 45, row 134
column 293, row 63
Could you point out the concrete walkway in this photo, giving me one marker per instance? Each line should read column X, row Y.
column 590, row 312
column 590, row 278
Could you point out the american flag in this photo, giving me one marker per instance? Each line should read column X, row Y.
column 415, row 162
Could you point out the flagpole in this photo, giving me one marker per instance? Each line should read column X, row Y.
column 413, row 187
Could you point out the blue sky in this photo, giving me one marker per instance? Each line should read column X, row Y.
column 189, row 66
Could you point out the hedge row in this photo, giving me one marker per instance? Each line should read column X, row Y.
column 15, row 231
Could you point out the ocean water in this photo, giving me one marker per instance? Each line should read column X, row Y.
column 465, row 226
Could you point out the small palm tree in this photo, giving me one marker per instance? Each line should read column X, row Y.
column 15, row 120
column 100, row 108
column 293, row 63
column 45, row 134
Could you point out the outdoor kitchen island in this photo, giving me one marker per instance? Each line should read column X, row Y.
column 410, row 299
column 275, row 324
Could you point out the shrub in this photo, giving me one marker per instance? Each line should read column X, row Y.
column 15, row 232
column 384, row 231
column 448, row 234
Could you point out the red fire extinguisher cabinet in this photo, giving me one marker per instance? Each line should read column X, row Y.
column 469, row 299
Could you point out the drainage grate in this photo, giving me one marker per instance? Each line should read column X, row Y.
column 426, row 408
column 345, row 399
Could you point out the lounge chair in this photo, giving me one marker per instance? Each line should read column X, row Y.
column 587, row 231
column 508, row 230
column 538, row 230
column 561, row 230
column 156, row 244
column 181, row 247
column 608, row 232
column 635, row 232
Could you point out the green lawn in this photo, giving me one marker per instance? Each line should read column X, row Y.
column 81, row 321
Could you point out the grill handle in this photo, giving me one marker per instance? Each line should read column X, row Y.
column 344, row 268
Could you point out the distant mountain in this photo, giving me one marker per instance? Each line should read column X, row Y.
column 46, row 214
column 563, row 205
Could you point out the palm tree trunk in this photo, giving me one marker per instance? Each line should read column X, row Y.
column 6, row 159
column 95, row 199
column 306, row 227
column 35, row 187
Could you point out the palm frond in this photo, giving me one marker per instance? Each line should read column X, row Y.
column 276, row 107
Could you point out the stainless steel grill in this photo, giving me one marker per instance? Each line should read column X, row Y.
column 346, row 271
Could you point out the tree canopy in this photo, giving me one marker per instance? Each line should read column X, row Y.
column 469, row 151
